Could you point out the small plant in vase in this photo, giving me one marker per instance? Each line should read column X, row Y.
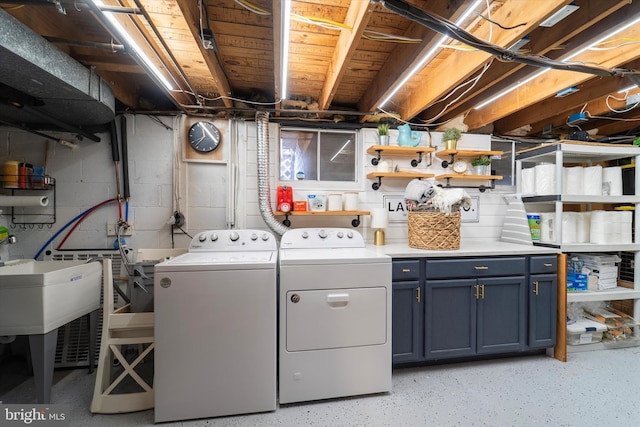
column 480, row 165
column 450, row 138
column 383, row 134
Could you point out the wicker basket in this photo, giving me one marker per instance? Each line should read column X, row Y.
column 434, row 230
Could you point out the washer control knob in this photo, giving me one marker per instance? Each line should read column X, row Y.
column 214, row 237
column 340, row 234
column 295, row 298
column 202, row 237
column 234, row 236
column 265, row 236
column 322, row 234
column 305, row 235
column 254, row 236
column 350, row 234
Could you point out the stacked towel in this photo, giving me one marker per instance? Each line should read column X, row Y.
column 422, row 195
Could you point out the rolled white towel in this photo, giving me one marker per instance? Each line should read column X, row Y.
column 419, row 191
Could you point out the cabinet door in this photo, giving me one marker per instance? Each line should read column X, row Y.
column 501, row 314
column 543, row 299
column 450, row 318
column 407, row 322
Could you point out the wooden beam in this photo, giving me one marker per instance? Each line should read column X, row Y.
column 542, row 41
column 357, row 18
column 191, row 15
column 459, row 65
column 404, row 57
column 554, row 81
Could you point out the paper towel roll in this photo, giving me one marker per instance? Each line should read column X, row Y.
column 569, row 227
column 545, row 179
column 572, row 180
column 612, row 181
column 528, row 181
column 599, row 230
column 583, row 227
column 592, row 182
column 24, row 200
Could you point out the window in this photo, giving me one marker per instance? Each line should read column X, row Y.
column 505, row 166
column 318, row 155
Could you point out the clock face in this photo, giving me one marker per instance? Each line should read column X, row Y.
column 460, row 166
column 204, row 137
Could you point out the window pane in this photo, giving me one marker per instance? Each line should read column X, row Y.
column 337, row 156
column 298, row 155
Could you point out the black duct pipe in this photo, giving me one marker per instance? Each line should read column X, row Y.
column 125, row 157
column 115, row 154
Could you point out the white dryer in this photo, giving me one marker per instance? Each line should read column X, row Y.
column 215, row 327
column 335, row 316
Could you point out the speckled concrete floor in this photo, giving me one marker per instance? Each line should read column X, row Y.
column 597, row 388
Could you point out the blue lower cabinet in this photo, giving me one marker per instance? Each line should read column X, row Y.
column 465, row 307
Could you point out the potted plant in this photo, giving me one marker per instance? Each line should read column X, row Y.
column 480, row 165
column 383, row 134
column 450, row 138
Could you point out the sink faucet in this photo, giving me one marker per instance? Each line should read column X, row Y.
column 7, row 241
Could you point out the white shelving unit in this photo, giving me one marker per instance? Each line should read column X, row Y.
column 573, row 152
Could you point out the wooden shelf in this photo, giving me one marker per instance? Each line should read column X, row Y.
column 398, row 150
column 468, row 153
column 403, row 175
column 323, row 213
column 355, row 222
column 471, row 177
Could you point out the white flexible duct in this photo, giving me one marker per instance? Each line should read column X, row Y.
column 264, row 202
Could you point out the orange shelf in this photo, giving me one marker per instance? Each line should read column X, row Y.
column 472, row 177
column 468, row 153
column 411, row 175
column 398, row 150
column 323, row 213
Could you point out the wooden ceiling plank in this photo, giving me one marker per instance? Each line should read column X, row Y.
column 459, row 65
column 191, row 15
column 554, row 81
column 357, row 18
column 543, row 40
column 404, row 57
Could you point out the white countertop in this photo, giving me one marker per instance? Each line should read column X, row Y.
column 467, row 248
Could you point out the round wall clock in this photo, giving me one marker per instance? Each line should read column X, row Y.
column 460, row 166
column 204, row 137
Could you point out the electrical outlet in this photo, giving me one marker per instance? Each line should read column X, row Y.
column 111, row 230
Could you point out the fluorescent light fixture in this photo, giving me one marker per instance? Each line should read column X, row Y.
column 122, row 33
column 284, row 49
column 627, row 89
column 428, row 55
column 573, row 55
column 559, row 15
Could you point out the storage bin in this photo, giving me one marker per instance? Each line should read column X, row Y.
column 585, row 331
column 434, row 230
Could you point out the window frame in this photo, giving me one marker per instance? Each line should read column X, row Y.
column 356, row 184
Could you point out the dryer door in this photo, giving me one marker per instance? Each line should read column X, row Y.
column 335, row 318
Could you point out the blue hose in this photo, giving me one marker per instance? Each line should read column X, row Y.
column 60, row 231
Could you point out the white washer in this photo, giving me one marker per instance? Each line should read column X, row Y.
column 215, row 327
column 335, row 316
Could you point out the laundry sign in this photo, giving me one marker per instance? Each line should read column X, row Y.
column 399, row 212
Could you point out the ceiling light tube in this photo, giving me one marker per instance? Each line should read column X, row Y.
column 284, row 49
column 340, row 150
column 123, row 34
column 573, row 55
column 428, row 55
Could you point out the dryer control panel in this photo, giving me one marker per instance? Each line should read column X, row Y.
column 309, row 238
column 233, row 240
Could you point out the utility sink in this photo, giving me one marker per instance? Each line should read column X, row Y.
column 37, row 297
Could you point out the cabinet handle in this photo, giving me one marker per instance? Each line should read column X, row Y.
column 548, row 264
column 480, row 267
column 535, row 287
column 406, row 270
column 482, row 293
column 418, row 294
column 477, row 290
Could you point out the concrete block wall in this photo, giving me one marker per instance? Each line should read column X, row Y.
column 211, row 195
